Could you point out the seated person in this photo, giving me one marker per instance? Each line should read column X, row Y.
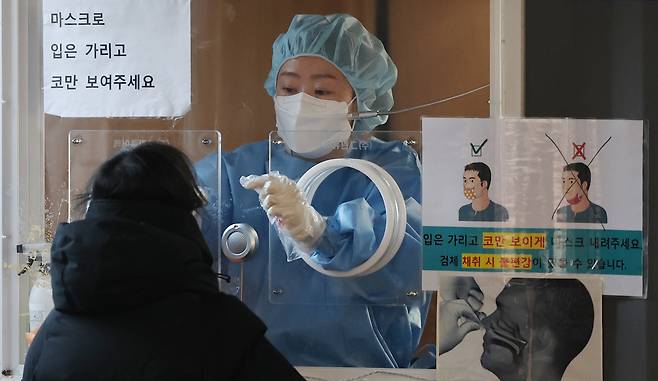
column 576, row 180
column 134, row 291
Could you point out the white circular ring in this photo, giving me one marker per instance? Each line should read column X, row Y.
column 394, row 204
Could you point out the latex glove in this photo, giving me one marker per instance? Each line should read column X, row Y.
column 461, row 287
column 456, row 320
column 286, row 207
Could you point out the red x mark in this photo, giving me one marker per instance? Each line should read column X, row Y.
column 578, row 150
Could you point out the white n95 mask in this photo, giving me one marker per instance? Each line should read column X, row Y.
column 309, row 126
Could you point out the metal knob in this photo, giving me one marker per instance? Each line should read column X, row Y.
column 238, row 242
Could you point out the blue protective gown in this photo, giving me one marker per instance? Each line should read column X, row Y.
column 315, row 320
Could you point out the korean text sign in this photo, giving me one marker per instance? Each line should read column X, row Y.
column 116, row 58
column 535, row 195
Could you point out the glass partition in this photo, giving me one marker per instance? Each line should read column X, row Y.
column 88, row 149
column 338, row 257
column 369, row 196
column 228, row 64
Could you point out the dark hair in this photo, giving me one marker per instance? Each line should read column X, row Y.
column 583, row 171
column 483, row 170
column 150, row 172
column 565, row 307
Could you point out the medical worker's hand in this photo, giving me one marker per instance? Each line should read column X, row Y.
column 285, row 205
column 461, row 287
column 456, row 320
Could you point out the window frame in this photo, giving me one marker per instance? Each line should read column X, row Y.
column 23, row 167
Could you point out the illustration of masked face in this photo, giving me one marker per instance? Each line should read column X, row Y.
column 571, row 187
column 473, row 187
column 507, row 333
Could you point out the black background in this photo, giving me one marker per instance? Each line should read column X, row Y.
column 597, row 59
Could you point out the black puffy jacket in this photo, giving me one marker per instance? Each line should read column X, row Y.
column 136, row 299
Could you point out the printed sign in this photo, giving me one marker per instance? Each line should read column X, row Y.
column 533, row 195
column 116, row 58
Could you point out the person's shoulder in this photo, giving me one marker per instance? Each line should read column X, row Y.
column 233, row 313
column 598, row 213
column 255, row 148
column 230, row 324
column 250, row 150
column 501, row 210
column 497, row 206
column 465, row 208
column 255, row 152
column 597, row 208
column 246, row 159
column 497, row 212
column 394, row 151
column 466, row 213
column 394, row 147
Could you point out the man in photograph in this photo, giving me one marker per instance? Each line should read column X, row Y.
column 538, row 328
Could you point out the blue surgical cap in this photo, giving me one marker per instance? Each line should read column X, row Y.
column 343, row 41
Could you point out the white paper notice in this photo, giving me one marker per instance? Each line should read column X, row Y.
column 535, row 196
column 116, row 58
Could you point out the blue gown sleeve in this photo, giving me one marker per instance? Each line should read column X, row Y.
column 354, row 232
column 356, row 228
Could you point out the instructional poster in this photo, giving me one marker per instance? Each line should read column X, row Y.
column 116, row 58
column 493, row 327
column 536, row 196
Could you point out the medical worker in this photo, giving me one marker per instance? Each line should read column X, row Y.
column 328, row 65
